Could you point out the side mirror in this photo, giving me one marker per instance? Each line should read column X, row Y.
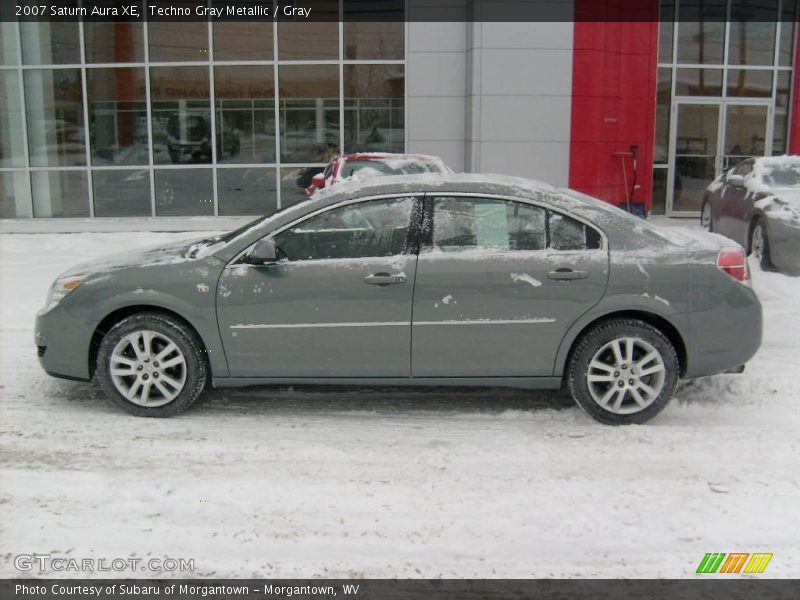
column 263, row 253
column 735, row 180
column 318, row 181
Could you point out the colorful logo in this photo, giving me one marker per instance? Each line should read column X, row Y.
column 719, row 562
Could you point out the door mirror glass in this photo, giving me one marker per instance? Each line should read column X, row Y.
column 264, row 252
column 735, row 180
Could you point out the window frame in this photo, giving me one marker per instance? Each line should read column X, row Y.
column 426, row 241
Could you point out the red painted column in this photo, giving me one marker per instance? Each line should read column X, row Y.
column 613, row 97
column 794, row 119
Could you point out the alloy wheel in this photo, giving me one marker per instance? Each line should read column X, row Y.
column 705, row 217
column 757, row 242
column 626, row 375
column 148, row 368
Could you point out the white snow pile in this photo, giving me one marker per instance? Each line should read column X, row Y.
column 271, row 483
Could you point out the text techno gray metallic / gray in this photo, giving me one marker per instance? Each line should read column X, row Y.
column 429, row 280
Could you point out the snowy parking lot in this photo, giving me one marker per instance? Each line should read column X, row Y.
column 288, row 482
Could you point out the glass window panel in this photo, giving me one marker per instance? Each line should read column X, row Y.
column 123, row 193
column 659, row 191
column 117, row 116
column 698, row 82
column 749, row 83
column 781, row 117
column 15, row 195
column 789, row 17
column 565, row 233
column 54, row 105
column 113, row 42
column 12, row 153
column 374, row 40
column 695, row 153
column 663, row 107
column 8, row 43
column 294, row 181
column 186, row 41
column 184, row 192
column 666, row 30
column 245, row 120
column 308, row 41
column 365, row 229
column 50, row 43
column 60, row 194
column 374, row 108
column 701, row 32
column 309, row 112
column 487, row 225
column 181, row 115
column 752, row 32
column 745, row 132
column 251, row 191
column 243, row 41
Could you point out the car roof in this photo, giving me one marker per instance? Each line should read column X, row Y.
column 378, row 156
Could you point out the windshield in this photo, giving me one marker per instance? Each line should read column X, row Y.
column 782, row 176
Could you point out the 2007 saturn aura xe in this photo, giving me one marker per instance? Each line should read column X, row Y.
column 413, row 280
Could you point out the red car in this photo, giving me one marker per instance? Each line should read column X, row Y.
column 371, row 164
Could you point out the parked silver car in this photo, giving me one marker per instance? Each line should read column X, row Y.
column 430, row 280
column 757, row 203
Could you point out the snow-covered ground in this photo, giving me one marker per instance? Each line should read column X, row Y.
column 376, row 483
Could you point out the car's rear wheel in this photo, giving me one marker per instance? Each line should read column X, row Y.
column 706, row 220
column 759, row 245
column 151, row 365
column 623, row 371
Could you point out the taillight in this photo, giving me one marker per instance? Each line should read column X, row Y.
column 734, row 262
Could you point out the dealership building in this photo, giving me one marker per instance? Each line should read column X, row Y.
column 226, row 118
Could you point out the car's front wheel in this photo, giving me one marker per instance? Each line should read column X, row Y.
column 151, row 365
column 706, row 220
column 759, row 245
column 623, row 371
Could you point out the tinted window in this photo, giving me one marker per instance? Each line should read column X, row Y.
column 487, row 225
column 568, row 234
column 366, row 229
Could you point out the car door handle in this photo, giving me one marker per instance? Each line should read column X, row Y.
column 565, row 274
column 385, row 278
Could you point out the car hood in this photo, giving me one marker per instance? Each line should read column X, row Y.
column 179, row 252
column 790, row 196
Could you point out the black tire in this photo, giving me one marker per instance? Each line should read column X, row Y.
column 709, row 226
column 193, row 371
column 593, row 342
column 764, row 258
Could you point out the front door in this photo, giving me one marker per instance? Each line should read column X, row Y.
column 337, row 304
column 707, row 138
column 499, row 282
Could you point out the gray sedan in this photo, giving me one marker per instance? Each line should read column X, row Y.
column 757, row 203
column 416, row 280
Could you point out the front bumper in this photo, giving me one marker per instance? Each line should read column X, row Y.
column 62, row 345
column 784, row 244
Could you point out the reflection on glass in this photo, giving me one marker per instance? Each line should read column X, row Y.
column 701, row 32
column 181, row 115
column 53, row 100
column 308, row 41
column 188, row 41
column 117, row 116
column 245, row 117
column 242, row 41
column 698, row 82
column 373, row 100
column 247, row 191
column 695, row 153
column 294, row 181
column 789, row 17
column 374, row 40
column 663, row 97
column 751, row 39
column 123, row 193
column 659, row 192
column 113, row 42
column 309, row 112
column 749, row 82
column 781, row 118
column 12, row 153
column 60, row 194
column 666, row 30
column 184, row 192
column 15, row 195
column 50, row 43
column 745, row 133
column 8, row 43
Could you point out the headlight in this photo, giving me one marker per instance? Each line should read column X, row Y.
column 60, row 288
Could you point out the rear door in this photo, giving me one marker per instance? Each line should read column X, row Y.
column 498, row 283
column 337, row 304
